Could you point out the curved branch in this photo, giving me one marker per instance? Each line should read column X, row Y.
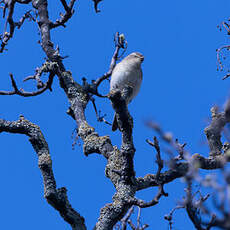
column 23, row 93
column 120, row 43
column 55, row 197
column 64, row 18
column 180, row 169
column 154, row 201
column 9, row 20
column 78, row 97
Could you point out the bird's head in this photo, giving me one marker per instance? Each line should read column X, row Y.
column 137, row 55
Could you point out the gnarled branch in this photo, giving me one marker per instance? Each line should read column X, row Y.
column 55, row 197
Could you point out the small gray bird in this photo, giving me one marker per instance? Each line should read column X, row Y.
column 127, row 73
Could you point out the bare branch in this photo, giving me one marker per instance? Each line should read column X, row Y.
column 154, row 201
column 47, row 67
column 125, row 219
column 23, row 93
column 120, row 43
column 219, row 52
column 55, row 197
column 124, row 119
column 64, row 17
column 213, row 131
column 96, row 5
column 6, row 36
column 159, row 161
column 181, row 168
column 131, row 225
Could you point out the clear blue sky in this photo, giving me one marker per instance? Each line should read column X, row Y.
column 178, row 39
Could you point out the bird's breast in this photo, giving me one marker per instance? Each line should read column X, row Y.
column 124, row 76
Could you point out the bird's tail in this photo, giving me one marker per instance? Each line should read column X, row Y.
column 115, row 124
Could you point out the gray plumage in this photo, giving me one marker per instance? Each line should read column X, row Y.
column 127, row 73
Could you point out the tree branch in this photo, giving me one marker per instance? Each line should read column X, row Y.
column 154, row 201
column 180, row 169
column 55, row 197
column 23, row 93
column 213, row 131
column 96, row 2
column 64, row 17
column 125, row 219
column 120, row 43
column 5, row 37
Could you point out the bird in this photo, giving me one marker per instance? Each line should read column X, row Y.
column 127, row 73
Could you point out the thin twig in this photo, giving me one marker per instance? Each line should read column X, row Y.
column 23, row 93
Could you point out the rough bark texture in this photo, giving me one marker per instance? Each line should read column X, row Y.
column 120, row 167
column 57, row 197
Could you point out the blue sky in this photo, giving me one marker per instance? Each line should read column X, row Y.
column 180, row 84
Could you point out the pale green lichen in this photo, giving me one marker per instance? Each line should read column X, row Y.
column 74, row 90
column 44, row 160
column 84, row 130
column 114, row 164
column 94, row 143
